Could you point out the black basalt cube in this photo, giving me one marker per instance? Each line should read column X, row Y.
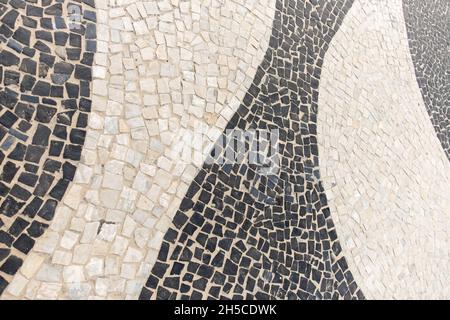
column 29, row 22
column 72, row 90
column 11, row 265
column 52, row 166
column 41, row 135
column 9, row 171
column 32, row 208
column 69, row 171
column 54, row 10
column 41, row 88
column 8, row 119
column 4, row 252
column 8, row 59
column 44, row 183
column 59, row 189
column 46, row 23
column 77, row 136
column 73, row 53
column 82, row 120
column 61, row 38
column 34, row 153
column 44, row 113
column 24, row 243
column 60, row 132
column 3, row 284
column 72, row 152
column 10, row 18
column 27, row 83
column 6, row 238
column 29, row 66
column 48, row 210
column 20, row 193
column 11, row 78
column 37, row 229
column 34, row 11
column 83, row 72
column 56, row 148
column 28, row 179
column 22, row 35
column 8, row 98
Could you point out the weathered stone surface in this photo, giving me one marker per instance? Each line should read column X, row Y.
column 131, row 129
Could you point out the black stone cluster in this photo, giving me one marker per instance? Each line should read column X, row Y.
column 46, row 53
column 428, row 29
column 240, row 234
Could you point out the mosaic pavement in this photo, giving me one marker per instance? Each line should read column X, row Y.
column 386, row 175
column 221, row 149
column 243, row 234
column 45, row 71
column 428, row 27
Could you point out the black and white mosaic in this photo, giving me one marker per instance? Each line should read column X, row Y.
column 428, row 29
column 252, row 231
column 46, row 53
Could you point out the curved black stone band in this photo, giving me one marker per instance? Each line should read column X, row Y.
column 46, row 53
column 428, row 29
column 239, row 234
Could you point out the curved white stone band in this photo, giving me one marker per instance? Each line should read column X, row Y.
column 385, row 173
